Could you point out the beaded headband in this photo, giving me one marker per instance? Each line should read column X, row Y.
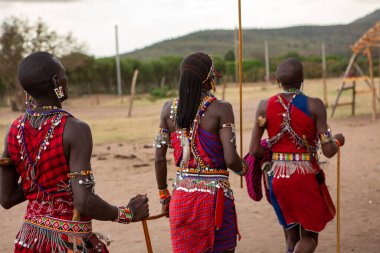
column 212, row 72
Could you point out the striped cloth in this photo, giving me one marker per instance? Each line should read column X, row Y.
column 192, row 223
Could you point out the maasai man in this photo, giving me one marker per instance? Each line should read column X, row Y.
column 296, row 126
column 200, row 128
column 51, row 151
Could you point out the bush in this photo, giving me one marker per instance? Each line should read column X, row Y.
column 165, row 92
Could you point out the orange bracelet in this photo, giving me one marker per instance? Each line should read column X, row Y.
column 164, row 194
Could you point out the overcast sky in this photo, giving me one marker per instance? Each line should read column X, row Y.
column 144, row 22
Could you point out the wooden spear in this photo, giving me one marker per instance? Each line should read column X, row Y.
column 338, row 201
column 241, row 86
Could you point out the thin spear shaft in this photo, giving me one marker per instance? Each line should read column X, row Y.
column 338, row 202
column 241, row 86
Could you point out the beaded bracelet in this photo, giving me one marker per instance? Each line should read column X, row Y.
column 325, row 137
column 243, row 171
column 125, row 215
column 164, row 195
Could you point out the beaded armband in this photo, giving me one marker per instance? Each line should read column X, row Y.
column 80, row 173
column 244, row 170
column 325, row 137
column 162, row 138
column 88, row 181
column 232, row 126
column 125, row 215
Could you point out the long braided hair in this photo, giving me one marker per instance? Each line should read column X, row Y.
column 195, row 68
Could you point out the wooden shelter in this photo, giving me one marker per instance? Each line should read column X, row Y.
column 370, row 40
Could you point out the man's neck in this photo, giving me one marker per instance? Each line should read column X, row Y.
column 47, row 102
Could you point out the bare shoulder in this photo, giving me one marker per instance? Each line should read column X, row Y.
column 222, row 106
column 166, row 109
column 316, row 105
column 77, row 124
column 76, row 129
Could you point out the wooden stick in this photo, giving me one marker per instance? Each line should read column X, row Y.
column 338, row 202
column 369, row 56
column 241, row 86
column 133, row 91
column 147, row 237
column 155, row 217
column 324, row 75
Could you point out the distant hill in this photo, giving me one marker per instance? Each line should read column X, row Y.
column 305, row 40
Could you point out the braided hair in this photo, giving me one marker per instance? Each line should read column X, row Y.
column 194, row 70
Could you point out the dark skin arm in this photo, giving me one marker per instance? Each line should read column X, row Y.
column 318, row 111
column 77, row 141
column 11, row 193
column 255, row 147
column 231, row 157
column 160, row 158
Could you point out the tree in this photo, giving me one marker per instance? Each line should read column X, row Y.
column 17, row 39
column 229, row 56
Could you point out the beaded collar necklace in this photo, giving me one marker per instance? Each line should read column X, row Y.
column 37, row 118
column 25, row 156
column 291, row 91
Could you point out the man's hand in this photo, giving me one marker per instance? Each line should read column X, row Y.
column 139, row 206
column 340, row 138
column 165, row 206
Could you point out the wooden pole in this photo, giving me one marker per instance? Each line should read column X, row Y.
column 369, row 55
column 236, row 50
column 162, row 84
column 241, row 85
column 133, row 91
column 378, row 70
column 267, row 77
column 324, row 75
column 338, row 202
column 117, row 58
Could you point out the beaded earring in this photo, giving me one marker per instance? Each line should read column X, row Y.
column 59, row 92
column 29, row 101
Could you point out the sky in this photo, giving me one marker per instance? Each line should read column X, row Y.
column 144, row 22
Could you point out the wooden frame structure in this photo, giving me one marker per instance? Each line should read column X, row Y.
column 369, row 40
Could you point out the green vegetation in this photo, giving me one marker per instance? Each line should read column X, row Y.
column 158, row 64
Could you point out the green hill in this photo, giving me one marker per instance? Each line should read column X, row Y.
column 305, row 40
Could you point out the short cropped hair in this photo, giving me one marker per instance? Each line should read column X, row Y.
column 290, row 73
column 35, row 73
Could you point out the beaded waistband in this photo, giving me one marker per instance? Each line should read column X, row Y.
column 203, row 183
column 291, row 157
column 208, row 172
column 64, row 226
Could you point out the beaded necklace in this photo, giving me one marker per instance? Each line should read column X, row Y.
column 291, row 91
column 30, row 164
column 188, row 136
column 286, row 126
column 39, row 118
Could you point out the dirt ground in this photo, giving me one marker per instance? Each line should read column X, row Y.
column 124, row 168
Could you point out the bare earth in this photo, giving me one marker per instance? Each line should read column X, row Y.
column 123, row 169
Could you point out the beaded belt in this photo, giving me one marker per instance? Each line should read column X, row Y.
column 64, row 226
column 291, row 157
column 206, row 172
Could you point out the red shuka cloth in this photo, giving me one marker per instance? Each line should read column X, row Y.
column 299, row 197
